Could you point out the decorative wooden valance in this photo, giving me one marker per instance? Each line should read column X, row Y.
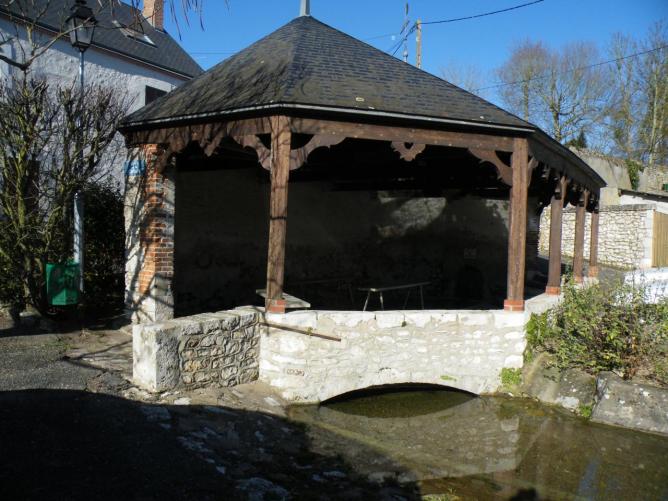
column 408, row 151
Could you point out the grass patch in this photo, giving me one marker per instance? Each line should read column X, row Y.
column 511, row 378
column 585, row 411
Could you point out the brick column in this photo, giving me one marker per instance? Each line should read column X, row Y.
column 149, row 222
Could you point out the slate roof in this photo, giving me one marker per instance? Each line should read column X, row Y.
column 307, row 63
column 165, row 54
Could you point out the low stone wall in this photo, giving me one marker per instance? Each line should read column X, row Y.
column 208, row 349
column 460, row 349
column 625, row 235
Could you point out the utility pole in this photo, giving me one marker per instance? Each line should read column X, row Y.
column 406, row 35
column 418, row 39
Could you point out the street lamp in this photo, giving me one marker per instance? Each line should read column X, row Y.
column 81, row 26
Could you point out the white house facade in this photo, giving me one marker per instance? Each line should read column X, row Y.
column 130, row 52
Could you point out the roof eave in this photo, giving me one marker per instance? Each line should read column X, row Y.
column 291, row 108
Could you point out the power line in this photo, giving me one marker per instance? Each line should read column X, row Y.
column 395, row 47
column 483, row 14
column 602, row 63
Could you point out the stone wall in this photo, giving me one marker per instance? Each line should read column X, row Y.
column 625, row 235
column 460, row 349
column 218, row 349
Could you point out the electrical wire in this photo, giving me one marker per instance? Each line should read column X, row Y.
column 483, row 14
column 601, row 63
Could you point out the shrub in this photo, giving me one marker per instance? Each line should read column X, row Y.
column 601, row 328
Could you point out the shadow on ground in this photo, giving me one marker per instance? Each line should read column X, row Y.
column 75, row 445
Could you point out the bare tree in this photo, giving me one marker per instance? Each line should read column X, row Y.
column 561, row 91
column 468, row 77
column 653, row 76
column 528, row 62
column 52, row 143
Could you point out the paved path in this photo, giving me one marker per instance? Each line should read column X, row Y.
column 72, row 427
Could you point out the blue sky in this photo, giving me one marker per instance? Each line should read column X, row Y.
column 484, row 43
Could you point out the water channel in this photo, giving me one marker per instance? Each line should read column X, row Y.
column 467, row 447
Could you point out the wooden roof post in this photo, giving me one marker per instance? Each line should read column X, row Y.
column 556, row 212
column 578, row 250
column 278, row 213
column 593, row 243
column 517, row 233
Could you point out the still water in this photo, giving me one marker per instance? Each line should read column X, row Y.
column 468, row 447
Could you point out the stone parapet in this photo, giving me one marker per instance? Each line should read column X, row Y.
column 218, row 349
column 464, row 349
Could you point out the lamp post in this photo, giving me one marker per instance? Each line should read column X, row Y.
column 81, row 26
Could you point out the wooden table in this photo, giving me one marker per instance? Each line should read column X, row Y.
column 380, row 290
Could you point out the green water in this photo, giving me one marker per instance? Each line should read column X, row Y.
column 463, row 447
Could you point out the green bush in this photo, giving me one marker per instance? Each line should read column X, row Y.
column 105, row 247
column 600, row 328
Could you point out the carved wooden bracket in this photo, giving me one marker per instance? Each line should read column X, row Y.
column 252, row 141
column 533, row 163
column 504, row 171
column 408, row 154
column 299, row 156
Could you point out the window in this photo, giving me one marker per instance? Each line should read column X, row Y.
column 152, row 94
column 136, row 33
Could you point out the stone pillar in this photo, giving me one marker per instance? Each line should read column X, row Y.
column 278, row 213
column 518, row 226
column 149, row 227
column 593, row 244
column 578, row 246
column 556, row 211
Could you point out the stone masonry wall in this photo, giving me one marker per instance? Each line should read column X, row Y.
column 625, row 235
column 218, row 349
column 460, row 349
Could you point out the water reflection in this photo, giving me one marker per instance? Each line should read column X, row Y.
column 490, row 447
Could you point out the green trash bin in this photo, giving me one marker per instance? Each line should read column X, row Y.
column 62, row 283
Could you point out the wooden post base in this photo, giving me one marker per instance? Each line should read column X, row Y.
column 275, row 306
column 552, row 291
column 578, row 279
column 513, row 305
column 593, row 271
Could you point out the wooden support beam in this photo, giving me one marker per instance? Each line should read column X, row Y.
column 517, row 233
column 278, row 213
column 402, row 134
column 578, row 249
column 556, row 213
column 593, row 244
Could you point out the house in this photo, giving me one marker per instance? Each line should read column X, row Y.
column 131, row 50
column 633, row 222
column 394, row 177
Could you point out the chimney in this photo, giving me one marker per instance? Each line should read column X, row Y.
column 305, row 9
column 154, row 12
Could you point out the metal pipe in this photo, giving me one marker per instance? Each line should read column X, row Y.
column 78, row 243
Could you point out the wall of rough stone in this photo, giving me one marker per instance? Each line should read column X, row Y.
column 460, row 349
column 370, row 237
column 220, row 349
column 625, row 235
